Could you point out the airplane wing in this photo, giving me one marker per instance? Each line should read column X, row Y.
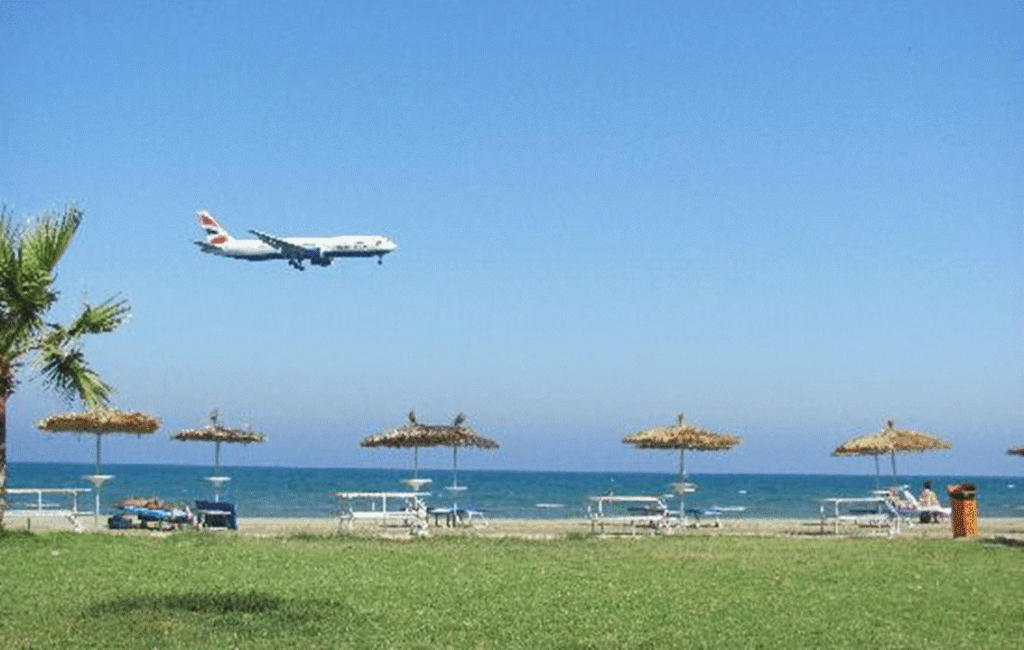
column 288, row 248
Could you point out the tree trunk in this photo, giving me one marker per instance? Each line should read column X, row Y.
column 3, row 456
column 6, row 389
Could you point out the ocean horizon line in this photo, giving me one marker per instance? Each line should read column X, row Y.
column 462, row 471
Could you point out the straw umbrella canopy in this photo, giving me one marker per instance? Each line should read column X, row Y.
column 100, row 422
column 416, row 435
column 1016, row 451
column 891, row 440
column 216, row 433
column 412, row 435
column 682, row 436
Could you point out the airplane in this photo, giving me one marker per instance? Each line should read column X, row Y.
column 319, row 251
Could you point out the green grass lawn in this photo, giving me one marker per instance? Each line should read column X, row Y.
column 221, row 591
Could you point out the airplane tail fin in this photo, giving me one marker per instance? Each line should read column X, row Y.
column 215, row 235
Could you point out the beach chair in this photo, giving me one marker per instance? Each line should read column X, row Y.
column 713, row 513
column 911, row 510
column 217, row 514
column 147, row 513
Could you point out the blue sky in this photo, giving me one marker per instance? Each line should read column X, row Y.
column 790, row 220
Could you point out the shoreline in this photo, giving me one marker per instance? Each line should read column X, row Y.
column 989, row 527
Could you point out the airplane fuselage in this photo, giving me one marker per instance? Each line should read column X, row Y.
column 318, row 251
column 325, row 247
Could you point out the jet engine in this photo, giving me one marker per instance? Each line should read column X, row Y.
column 319, row 259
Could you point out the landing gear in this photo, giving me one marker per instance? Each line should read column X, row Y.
column 296, row 263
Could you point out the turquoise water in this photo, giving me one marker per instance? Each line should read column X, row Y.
column 295, row 492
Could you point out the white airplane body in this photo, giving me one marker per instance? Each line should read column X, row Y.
column 319, row 251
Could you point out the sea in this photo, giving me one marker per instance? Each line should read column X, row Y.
column 297, row 492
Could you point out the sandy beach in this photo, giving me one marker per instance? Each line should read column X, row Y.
column 989, row 527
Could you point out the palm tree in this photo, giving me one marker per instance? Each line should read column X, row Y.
column 28, row 258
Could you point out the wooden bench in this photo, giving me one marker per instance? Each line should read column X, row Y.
column 38, row 508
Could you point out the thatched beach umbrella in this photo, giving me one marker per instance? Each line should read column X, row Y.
column 100, row 422
column 682, row 436
column 411, row 435
column 890, row 440
column 216, row 433
column 416, row 435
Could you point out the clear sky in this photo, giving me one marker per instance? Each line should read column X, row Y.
column 790, row 220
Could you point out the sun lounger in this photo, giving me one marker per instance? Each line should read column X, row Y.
column 28, row 503
column 714, row 513
column 217, row 514
column 159, row 514
column 912, row 510
column 640, row 512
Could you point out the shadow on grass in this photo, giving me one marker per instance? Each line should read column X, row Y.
column 235, row 613
column 224, row 603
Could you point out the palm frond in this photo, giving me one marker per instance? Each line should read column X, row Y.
column 43, row 245
column 26, row 275
column 8, row 235
column 65, row 372
column 99, row 319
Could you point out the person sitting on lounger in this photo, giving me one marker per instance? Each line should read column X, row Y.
column 897, row 500
column 929, row 503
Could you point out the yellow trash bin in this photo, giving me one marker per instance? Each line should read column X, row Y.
column 963, row 498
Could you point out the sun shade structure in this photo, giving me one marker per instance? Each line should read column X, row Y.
column 413, row 435
column 682, row 436
column 100, row 422
column 416, row 435
column 216, row 433
column 891, row 441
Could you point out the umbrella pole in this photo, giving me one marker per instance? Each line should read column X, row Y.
column 455, row 466
column 415, row 462
column 682, row 488
column 455, row 484
column 98, row 484
column 216, row 479
column 878, row 472
column 895, row 481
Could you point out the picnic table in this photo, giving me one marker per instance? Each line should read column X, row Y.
column 412, row 511
column 874, row 511
column 639, row 511
column 37, row 507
